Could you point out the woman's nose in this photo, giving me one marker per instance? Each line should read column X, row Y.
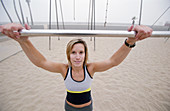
column 77, row 56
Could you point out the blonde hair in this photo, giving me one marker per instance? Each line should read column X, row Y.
column 70, row 46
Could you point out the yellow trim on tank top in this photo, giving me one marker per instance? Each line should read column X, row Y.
column 79, row 91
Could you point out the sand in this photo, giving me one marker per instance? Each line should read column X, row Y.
column 140, row 83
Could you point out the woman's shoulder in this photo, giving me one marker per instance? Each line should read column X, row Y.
column 64, row 69
column 90, row 67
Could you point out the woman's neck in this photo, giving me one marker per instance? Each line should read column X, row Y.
column 77, row 69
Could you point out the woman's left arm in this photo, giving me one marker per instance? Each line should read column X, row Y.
column 142, row 32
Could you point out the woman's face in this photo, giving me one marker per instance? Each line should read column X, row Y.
column 77, row 55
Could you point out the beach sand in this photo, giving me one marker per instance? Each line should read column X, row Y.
column 140, row 83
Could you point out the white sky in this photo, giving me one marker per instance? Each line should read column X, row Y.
column 119, row 11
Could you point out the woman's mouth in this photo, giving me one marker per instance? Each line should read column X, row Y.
column 77, row 62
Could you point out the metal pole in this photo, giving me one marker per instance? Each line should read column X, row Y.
column 28, row 2
column 16, row 12
column 94, row 26
column 89, row 14
column 92, row 15
column 74, row 10
column 87, row 33
column 140, row 12
column 62, row 14
column 22, row 15
column 27, row 20
column 50, row 27
column 6, row 11
column 57, row 16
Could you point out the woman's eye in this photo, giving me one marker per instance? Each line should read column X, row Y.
column 73, row 52
column 81, row 52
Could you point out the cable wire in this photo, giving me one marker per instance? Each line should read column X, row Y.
column 160, row 16
column 22, row 14
column 62, row 14
column 16, row 12
column 6, row 11
column 106, row 13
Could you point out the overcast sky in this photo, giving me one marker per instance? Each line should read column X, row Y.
column 119, row 11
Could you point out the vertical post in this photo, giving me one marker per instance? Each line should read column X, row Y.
column 16, row 12
column 50, row 26
column 91, row 17
column 74, row 10
column 57, row 16
column 62, row 14
column 27, row 20
column 22, row 15
column 94, row 27
column 140, row 16
column 28, row 2
column 89, row 14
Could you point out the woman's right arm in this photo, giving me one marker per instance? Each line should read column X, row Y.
column 32, row 53
column 39, row 60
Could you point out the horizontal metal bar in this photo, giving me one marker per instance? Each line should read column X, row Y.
column 81, row 33
column 87, row 33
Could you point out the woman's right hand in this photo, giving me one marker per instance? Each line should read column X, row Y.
column 12, row 30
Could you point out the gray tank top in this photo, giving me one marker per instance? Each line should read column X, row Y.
column 74, row 86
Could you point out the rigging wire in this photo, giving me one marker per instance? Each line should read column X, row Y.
column 57, row 17
column 62, row 14
column 89, row 14
column 22, row 14
column 106, row 13
column 50, row 26
column 27, row 20
column 160, row 16
column 94, row 26
column 6, row 11
column 16, row 12
column 28, row 2
column 93, row 21
column 56, row 14
column 91, row 18
column 74, row 10
column 92, row 15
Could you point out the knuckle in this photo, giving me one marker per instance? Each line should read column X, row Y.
column 13, row 27
column 150, row 34
column 151, row 30
column 145, row 32
column 141, row 31
column 8, row 30
column 3, row 32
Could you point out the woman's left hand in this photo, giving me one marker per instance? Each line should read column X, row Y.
column 142, row 32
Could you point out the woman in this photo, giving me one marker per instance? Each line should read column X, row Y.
column 77, row 74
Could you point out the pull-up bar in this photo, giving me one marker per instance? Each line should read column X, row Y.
column 88, row 33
